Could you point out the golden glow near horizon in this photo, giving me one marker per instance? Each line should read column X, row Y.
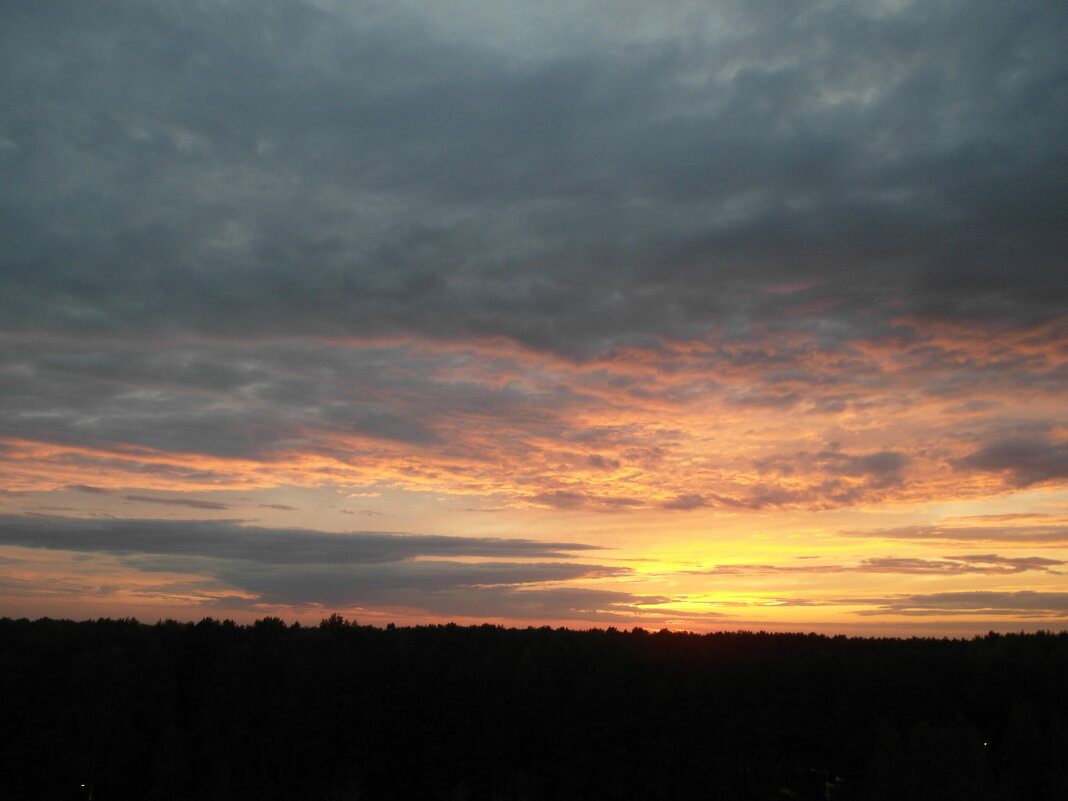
column 709, row 490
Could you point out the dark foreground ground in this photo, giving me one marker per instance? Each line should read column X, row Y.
column 214, row 710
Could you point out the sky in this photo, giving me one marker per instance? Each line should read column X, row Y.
column 705, row 315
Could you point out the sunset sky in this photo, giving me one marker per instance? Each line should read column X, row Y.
column 702, row 315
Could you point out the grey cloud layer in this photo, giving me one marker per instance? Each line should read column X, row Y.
column 948, row 566
column 1023, row 603
column 289, row 167
column 224, row 539
column 1018, row 603
column 1051, row 531
column 487, row 589
column 193, row 503
column 297, row 567
column 1026, row 460
column 467, row 411
column 234, row 400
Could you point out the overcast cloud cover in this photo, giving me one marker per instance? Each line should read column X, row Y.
column 568, row 174
column 686, row 258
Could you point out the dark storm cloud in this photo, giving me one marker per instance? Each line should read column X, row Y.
column 224, row 539
column 570, row 180
column 1025, row 460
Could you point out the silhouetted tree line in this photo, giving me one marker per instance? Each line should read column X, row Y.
column 214, row 710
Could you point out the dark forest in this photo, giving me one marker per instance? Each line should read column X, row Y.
column 116, row 709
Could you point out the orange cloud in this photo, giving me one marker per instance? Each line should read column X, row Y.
column 776, row 420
